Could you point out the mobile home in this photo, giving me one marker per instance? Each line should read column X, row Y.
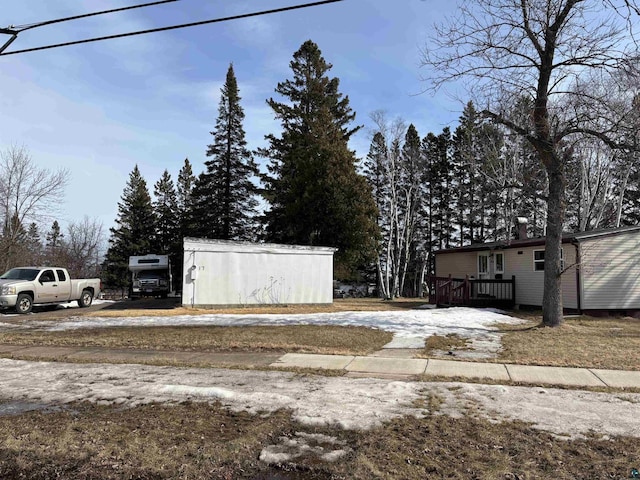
column 601, row 268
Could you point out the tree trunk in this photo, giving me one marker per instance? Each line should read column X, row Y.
column 552, row 298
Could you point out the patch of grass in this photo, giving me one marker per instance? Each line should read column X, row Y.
column 589, row 342
column 443, row 343
column 206, row 441
column 121, row 309
column 325, row 339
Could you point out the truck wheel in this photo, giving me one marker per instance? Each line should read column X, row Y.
column 24, row 304
column 86, row 299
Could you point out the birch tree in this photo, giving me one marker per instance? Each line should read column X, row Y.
column 557, row 53
column 382, row 171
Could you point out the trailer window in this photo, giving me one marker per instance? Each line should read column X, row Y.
column 538, row 260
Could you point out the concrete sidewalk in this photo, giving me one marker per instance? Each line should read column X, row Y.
column 354, row 366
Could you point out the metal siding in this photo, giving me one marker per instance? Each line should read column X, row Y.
column 254, row 275
column 611, row 272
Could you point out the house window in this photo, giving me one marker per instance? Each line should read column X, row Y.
column 499, row 259
column 538, row 260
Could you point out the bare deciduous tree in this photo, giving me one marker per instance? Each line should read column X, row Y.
column 28, row 194
column 569, row 57
column 82, row 247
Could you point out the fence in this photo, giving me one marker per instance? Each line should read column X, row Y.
column 448, row 291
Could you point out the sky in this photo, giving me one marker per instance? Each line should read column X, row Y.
column 99, row 109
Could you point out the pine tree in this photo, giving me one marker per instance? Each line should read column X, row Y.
column 442, row 189
column 184, row 194
column 134, row 233
column 316, row 196
column 165, row 207
column 33, row 245
column 13, row 241
column 54, row 244
column 225, row 196
column 186, row 222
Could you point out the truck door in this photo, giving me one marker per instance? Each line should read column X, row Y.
column 47, row 289
column 64, row 286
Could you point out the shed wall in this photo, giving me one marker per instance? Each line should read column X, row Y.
column 256, row 276
column 610, row 272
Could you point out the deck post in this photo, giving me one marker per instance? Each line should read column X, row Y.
column 467, row 290
column 513, row 289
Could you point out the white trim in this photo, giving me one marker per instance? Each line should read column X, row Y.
column 495, row 262
column 542, row 261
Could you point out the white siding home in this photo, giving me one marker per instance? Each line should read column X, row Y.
column 227, row 273
column 601, row 269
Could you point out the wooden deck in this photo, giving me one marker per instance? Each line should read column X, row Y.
column 448, row 291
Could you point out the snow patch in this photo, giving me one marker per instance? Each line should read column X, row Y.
column 211, row 392
column 303, row 445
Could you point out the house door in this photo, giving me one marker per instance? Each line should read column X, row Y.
column 483, row 271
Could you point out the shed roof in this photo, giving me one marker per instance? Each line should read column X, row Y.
column 539, row 241
column 214, row 245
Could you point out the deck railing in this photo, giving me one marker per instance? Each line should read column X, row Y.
column 472, row 292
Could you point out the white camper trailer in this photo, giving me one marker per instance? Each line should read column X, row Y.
column 228, row 273
column 150, row 275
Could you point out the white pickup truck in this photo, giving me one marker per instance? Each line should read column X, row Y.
column 23, row 287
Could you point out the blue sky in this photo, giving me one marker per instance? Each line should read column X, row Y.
column 98, row 109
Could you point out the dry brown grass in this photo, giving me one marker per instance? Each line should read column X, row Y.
column 442, row 343
column 197, row 441
column 609, row 343
column 339, row 305
column 325, row 339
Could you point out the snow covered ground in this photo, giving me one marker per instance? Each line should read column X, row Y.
column 352, row 403
column 409, row 327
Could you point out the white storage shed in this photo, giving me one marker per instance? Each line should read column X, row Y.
column 228, row 273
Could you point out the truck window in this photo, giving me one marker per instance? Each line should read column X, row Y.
column 47, row 276
column 28, row 274
column 61, row 276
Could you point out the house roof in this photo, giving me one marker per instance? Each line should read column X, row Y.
column 539, row 241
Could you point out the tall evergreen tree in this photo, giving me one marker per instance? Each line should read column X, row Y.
column 54, row 244
column 33, row 245
column 316, row 196
column 224, row 195
column 167, row 222
column 134, row 233
column 186, row 222
column 165, row 208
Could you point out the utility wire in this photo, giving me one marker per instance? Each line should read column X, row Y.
column 174, row 27
column 22, row 28
column 14, row 31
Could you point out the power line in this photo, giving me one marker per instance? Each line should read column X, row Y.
column 22, row 28
column 15, row 30
column 174, row 27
